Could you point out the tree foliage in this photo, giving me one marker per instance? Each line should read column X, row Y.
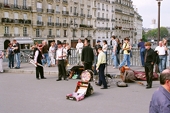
column 154, row 33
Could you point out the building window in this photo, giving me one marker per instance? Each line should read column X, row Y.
column 75, row 9
column 81, row 10
column 16, row 30
column 50, row 32
column 64, row 21
column 24, row 31
column 88, row 12
column 88, row 22
column 25, row 16
column 6, row 30
column 58, row 33
column 74, row 33
column 15, row 3
column 102, row 15
column 81, row 21
column 6, row 2
column 39, row 5
column 57, row 20
column 49, row 19
column 70, row 9
column 38, row 33
column 24, row 3
column 39, row 18
column 102, row 6
column 99, row 5
column 6, row 14
column 95, row 3
column 65, row 33
column 49, row 6
column 88, row 32
column 98, row 14
column 82, row 33
column 57, row 8
column 15, row 15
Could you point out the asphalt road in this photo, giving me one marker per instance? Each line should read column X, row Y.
column 22, row 93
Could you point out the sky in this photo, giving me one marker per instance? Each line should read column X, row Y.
column 148, row 9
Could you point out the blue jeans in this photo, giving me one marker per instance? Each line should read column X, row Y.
column 126, row 57
column 11, row 61
column 17, row 56
column 46, row 59
column 142, row 55
column 114, row 58
column 162, row 61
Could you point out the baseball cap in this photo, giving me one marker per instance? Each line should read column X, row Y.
column 98, row 41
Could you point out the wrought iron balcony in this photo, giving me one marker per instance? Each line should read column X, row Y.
column 65, row 25
column 65, row 12
column 89, row 16
column 38, row 35
column 107, row 28
column 50, row 10
column 118, row 10
column 40, row 10
column 75, row 14
column 65, row 1
column 58, row 24
column 16, row 7
column 112, row 20
column 50, row 36
column 7, row 35
column 58, row 12
column 25, row 35
column 82, row 15
column 27, row 8
column 16, row 35
column 40, row 23
column 50, row 23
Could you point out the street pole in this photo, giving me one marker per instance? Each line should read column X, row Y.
column 159, row 4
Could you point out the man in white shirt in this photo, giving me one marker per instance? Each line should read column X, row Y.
column 79, row 48
column 61, row 55
column 162, row 56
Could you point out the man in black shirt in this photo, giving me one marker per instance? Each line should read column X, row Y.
column 16, row 49
column 149, row 63
column 87, row 55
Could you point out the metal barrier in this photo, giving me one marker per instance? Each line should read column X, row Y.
column 135, row 59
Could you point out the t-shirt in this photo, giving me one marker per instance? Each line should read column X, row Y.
column 114, row 43
column 161, row 50
column 126, row 45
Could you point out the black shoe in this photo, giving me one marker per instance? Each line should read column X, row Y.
column 103, row 88
column 148, row 87
column 43, row 78
column 98, row 84
column 66, row 79
column 17, row 67
column 58, row 79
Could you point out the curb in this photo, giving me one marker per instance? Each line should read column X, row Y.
column 28, row 71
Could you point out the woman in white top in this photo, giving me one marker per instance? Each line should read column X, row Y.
column 1, row 60
column 52, row 54
column 104, row 47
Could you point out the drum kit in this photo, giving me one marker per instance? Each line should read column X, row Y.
column 83, row 88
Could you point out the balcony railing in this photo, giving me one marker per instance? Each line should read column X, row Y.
column 107, row 28
column 16, row 7
column 50, row 36
column 65, row 1
column 89, row 16
column 57, row 1
column 57, row 35
column 112, row 20
column 85, row 26
column 118, row 10
column 38, row 35
column 58, row 12
column 65, row 25
column 16, row 35
column 7, row 35
column 29, row 8
column 75, row 14
column 58, row 24
column 15, row 21
column 40, row 10
column 50, row 10
column 40, row 23
column 25, row 35
column 65, row 12
column 50, row 23
column 106, row 19
column 82, row 15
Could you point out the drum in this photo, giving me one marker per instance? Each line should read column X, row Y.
column 86, row 75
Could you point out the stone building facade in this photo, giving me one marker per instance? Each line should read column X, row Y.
column 31, row 21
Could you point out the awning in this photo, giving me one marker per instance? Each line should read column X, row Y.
column 24, row 40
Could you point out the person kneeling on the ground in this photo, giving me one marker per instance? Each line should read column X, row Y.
column 101, row 62
column 160, row 102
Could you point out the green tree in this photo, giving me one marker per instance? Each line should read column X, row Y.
column 154, row 33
